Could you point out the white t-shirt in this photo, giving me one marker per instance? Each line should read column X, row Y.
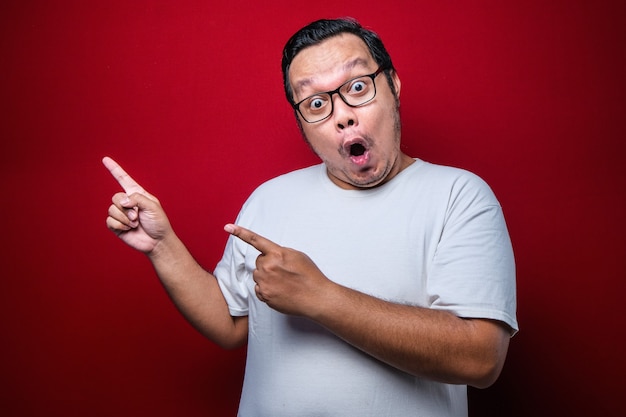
column 433, row 236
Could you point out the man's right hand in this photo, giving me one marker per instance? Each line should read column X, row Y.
column 135, row 216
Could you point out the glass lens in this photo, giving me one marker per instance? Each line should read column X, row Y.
column 358, row 91
column 316, row 107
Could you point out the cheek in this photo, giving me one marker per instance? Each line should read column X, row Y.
column 390, row 119
column 379, row 123
column 318, row 139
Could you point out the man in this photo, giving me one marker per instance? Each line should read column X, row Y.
column 373, row 284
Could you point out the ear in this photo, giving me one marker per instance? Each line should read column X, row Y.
column 396, row 83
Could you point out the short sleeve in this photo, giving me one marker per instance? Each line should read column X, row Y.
column 473, row 272
column 232, row 275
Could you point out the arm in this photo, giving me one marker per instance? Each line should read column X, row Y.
column 425, row 342
column 431, row 343
column 138, row 219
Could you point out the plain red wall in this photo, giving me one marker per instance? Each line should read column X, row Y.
column 187, row 95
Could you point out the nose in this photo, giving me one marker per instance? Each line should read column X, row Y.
column 344, row 114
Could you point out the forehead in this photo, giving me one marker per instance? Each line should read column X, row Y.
column 330, row 62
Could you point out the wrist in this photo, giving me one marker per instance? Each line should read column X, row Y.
column 165, row 246
column 325, row 306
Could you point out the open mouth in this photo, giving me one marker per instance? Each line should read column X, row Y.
column 357, row 149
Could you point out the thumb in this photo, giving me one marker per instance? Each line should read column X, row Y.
column 138, row 203
column 146, row 212
column 140, row 200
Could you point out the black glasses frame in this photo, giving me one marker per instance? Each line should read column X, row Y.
column 373, row 75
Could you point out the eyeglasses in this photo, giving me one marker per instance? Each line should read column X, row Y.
column 355, row 92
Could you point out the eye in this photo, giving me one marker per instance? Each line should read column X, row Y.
column 358, row 87
column 315, row 104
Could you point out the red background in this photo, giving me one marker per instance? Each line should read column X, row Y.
column 188, row 97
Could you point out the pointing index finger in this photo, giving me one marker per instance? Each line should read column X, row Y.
column 129, row 185
column 264, row 245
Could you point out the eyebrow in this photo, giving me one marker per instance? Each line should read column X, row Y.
column 346, row 67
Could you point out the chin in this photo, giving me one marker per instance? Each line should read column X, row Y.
column 369, row 181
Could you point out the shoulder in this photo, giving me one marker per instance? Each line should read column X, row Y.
column 450, row 181
column 443, row 173
column 299, row 179
column 285, row 188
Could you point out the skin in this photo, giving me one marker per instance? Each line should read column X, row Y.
column 376, row 125
column 423, row 342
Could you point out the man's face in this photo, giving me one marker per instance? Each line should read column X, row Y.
column 359, row 145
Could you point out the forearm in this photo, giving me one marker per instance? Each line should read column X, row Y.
column 196, row 294
column 423, row 342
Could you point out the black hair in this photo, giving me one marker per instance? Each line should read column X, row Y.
column 320, row 30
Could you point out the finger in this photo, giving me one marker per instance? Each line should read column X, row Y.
column 128, row 217
column 126, row 181
column 126, row 205
column 117, row 224
column 257, row 291
column 132, row 204
column 259, row 242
